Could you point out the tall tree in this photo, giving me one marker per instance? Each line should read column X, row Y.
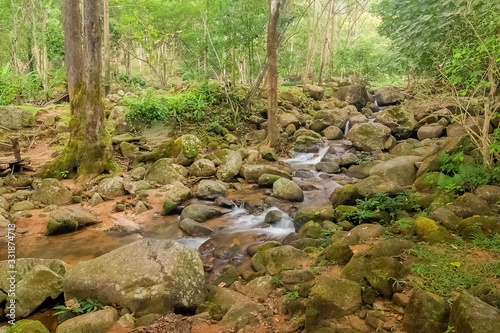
column 272, row 71
column 86, row 152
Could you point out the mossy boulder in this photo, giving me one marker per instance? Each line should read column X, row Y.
column 69, row 219
column 17, row 180
column 381, row 274
column 391, row 247
column 426, row 313
column 370, row 137
column 345, row 195
column 343, row 211
column 479, row 225
column 277, row 259
column 306, row 144
column 446, row 217
column 230, row 166
column 311, row 230
column 27, row 326
column 388, row 95
column 401, row 170
column 471, row 315
column 430, row 231
column 471, row 204
column 313, row 91
column 287, row 189
column 164, row 171
column 338, row 252
column 429, row 182
column 112, row 187
column 22, row 206
column 98, row 321
column 331, row 298
column 147, row 276
column 211, row 189
column 202, row 213
column 51, row 191
column 306, row 213
column 202, row 168
column 267, row 180
column 372, row 185
column 174, row 196
column 15, row 118
column 36, row 281
column 399, row 119
column 354, row 95
column 183, row 150
column 252, row 173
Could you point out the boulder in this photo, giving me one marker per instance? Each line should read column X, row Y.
column 26, row 326
column 275, row 216
column 14, row 118
column 202, row 168
column 202, row 213
column 307, row 144
column 372, row 185
column 129, row 150
column 354, row 95
column 430, row 231
column 174, row 196
column 331, row 298
column 267, row 180
column 401, row 170
column 287, row 189
column 112, row 187
column 195, row 229
column 211, row 189
column 286, row 118
column 230, row 167
column 370, row 137
column 426, row 313
column 338, row 252
column 328, row 167
column 315, row 92
column 489, row 193
column 306, row 213
column 252, row 173
column 430, row 131
column 36, row 280
column 447, row 218
column 68, row 219
column 479, row 226
column 471, row 315
column 51, row 191
column 290, row 97
column 164, row 171
column 333, row 133
column 334, row 117
column 182, row 150
column 470, row 204
column 17, row 180
column 381, row 273
column 147, row 276
column 98, row 321
column 133, row 187
column 277, row 259
column 22, row 206
column 399, row 119
column 388, row 95
column 344, row 195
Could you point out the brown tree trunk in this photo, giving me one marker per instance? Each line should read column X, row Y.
column 86, row 151
column 272, row 72
column 106, row 37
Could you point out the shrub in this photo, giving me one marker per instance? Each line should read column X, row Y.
column 149, row 108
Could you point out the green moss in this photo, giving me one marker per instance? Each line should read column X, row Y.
column 343, row 211
column 430, row 231
column 367, row 130
column 168, row 207
column 27, row 326
column 311, row 230
column 61, row 226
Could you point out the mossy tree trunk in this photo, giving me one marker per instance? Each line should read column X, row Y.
column 86, row 153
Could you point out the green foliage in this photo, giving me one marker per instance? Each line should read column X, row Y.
column 277, row 281
column 8, row 87
column 148, row 107
column 78, row 306
column 133, row 80
column 369, row 207
column 491, row 244
column 292, row 295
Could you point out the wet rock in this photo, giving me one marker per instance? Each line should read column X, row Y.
column 36, row 280
column 182, row 150
column 50, row 191
column 287, row 189
column 126, row 226
column 399, row 119
column 277, row 259
column 230, row 167
column 331, row 298
column 252, row 173
column 426, row 313
column 313, row 91
column 202, row 213
column 174, row 196
column 333, row 133
column 430, row 131
column 112, row 187
column 69, row 219
column 275, row 217
column 164, row 171
column 14, row 118
column 211, row 189
column 354, row 95
column 471, row 315
column 27, row 326
column 147, row 276
column 17, row 180
column 195, row 229
column 401, row 170
column 430, row 231
column 202, row 168
column 224, row 202
column 98, row 321
column 328, row 167
column 370, row 137
column 267, row 180
column 388, row 95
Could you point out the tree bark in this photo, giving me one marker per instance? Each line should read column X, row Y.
column 86, row 153
column 272, row 72
column 106, row 37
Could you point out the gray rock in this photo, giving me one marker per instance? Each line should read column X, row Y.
column 399, row 119
column 274, row 217
column 211, row 189
column 354, row 95
column 14, row 118
column 286, row 118
column 333, row 133
column 370, row 137
column 147, row 276
column 277, row 259
column 315, row 92
column 69, row 219
column 51, row 191
column 138, row 173
column 489, row 193
column 174, row 196
column 202, row 213
column 93, row 322
column 230, row 167
column 96, row 199
column 401, row 170
column 22, row 206
column 4, row 203
column 164, row 171
column 126, row 226
column 430, row 131
column 112, row 187
column 202, row 168
column 134, row 187
column 195, row 229
column 17, row 180
column 328, row 167
column 471, row 204
column 471, row 315
column 426, row 313
column 252, row 173
column 388, row 95
column 287, row 189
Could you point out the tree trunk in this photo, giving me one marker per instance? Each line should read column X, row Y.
column 86, row 151
column 106, row 37
column 272, row 72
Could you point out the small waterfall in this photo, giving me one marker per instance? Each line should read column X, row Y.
column 347, row 127
column 308, row 158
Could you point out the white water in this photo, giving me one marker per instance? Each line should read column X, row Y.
column 347, row 127
column 301, row 159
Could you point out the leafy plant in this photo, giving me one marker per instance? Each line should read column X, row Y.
column 277, row 281
column 148, row 107
column 78, row 306
column 463, row 177
column 292, row 294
